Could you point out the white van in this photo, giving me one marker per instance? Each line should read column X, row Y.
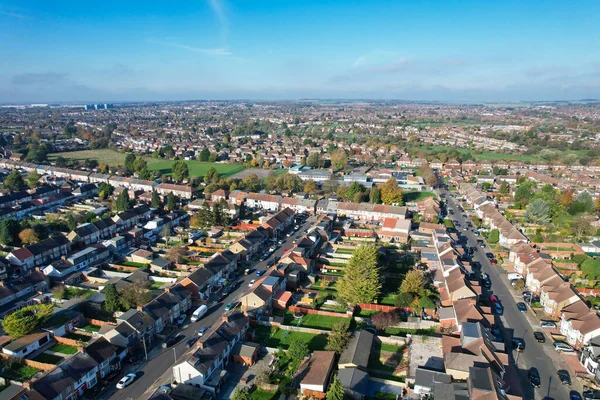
column 199, row 313
column 514, row 275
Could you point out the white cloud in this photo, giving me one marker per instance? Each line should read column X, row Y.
column 219, row 51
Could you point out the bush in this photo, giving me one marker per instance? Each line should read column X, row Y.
column 494, row 236
column 384, row 320
column 425, row 302
column 404, row 299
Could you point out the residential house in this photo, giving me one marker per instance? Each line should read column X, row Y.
column 356, row 354
column 27, row 344
column 105, row 354
column 199, row 283
column 315, row 372
column 579, row 324
column 70, row 379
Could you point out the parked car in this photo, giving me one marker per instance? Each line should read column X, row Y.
column 534, row 377
column 548, row 325
column 514, row 275
column 487, row 283
column 252, row 282
column 259, row 272
column 493, row 261
column 498, row 308
column 201, row 331
column 230, row 306
column 574, row 395
column 191, row 342
column 518, row 344
column 489, row 255
column 272, row 248
column 494, row 299
column 522, row 307
column 564, row 377
column 170, row 342
column 539, row 336
column 181, row 319
column 562, row 347
column 126, row 381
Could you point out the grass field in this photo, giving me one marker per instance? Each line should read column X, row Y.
column 410, row 197
column 19, row 373
column 112, row 157
column 280, row 338
column 197, row 168
column 260, row 394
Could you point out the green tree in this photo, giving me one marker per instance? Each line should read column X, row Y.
column 493, row 236
column 14, row 182
column 298, row 350
column 26, row 320
column 504, row 188
column 213, row 157
column 361, row 282
column 9, row 229
column 310, row 186
column 180, row 171
column 241, row 394
column 391, row 193
column 375, row 195
column 71, row 223
column 211, row 176
column 354, row 188
column 122, row 202
column 524, row 192
column 112, row 302
column 33, row 179
column 105, row 190
column 404, row 299
column 139, row 164
column 204, row 155
column 338, row 338
column 155, row 203
column 339, row 159
column 171, row 202
column 130, row 162
column 314, row 160
column 538, row 212
column 413, row 282
column 336, row 390
column 591, row 268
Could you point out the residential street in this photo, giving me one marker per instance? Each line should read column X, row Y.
column 514, row 323
column 157, row 371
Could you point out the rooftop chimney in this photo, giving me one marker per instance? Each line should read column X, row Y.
column 140, row 308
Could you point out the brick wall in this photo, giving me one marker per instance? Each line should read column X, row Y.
column 67, row 341
column 97, row 322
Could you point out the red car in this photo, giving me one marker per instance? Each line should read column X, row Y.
column 494, row 261
column 494, row 299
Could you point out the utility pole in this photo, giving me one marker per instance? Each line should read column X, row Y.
column 145, row 350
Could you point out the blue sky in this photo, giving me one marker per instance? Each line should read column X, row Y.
column 287, row 49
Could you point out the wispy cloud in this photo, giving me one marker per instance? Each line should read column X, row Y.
column 218, row 7
column 397, row 65
column 359, row 61
column 210, row 51
column 45, row 78
column 14, row 14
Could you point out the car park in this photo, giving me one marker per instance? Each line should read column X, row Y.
column 562, row 347
column 539, row 336
column 126, row 381
column 534, row 377
column 548, row 325
column 565, row 377
column 522, row 307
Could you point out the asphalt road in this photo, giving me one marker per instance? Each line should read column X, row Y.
column 514, row 323
column 157, row 371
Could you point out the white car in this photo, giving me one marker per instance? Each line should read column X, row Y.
column 252, row 282
column 548, row 325
column 126, row 381
column 563, row 347
column 512, row 276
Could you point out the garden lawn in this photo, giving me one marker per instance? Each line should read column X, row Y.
column 410, row 197
column 314, row 321
column 48, row 358
column 63, row 348
column 259, row 394
column 272, row 337
column 20, row 373
column 367, row 313
column 134, row 264
column 197, row 168
column 384, row 396
column 90, row 328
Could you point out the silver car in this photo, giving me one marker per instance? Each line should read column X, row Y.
column 563, row 347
